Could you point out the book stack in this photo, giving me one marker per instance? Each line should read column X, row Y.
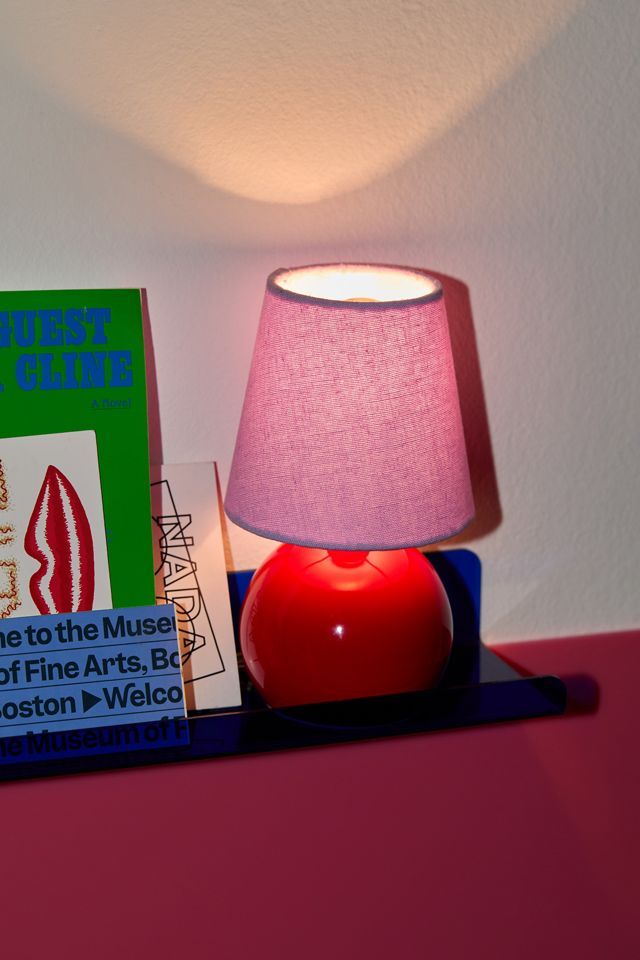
column 78, row 530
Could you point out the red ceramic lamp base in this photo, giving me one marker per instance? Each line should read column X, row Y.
column 320, row 625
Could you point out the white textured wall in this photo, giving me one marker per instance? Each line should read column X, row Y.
column 192, row 147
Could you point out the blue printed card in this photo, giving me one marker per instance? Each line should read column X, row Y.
column 91, row 669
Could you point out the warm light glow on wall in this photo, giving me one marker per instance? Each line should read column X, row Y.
column 285, row 101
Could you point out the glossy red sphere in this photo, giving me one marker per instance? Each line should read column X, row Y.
column 322, row 625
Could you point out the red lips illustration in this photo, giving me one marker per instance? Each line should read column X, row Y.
column 59, row 538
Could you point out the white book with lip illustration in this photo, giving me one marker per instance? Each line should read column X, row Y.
column 191, row 574
column 53, row 551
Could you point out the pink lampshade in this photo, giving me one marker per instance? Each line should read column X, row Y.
column 351, row 436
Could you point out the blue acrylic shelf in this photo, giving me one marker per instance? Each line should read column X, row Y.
column 478, row 688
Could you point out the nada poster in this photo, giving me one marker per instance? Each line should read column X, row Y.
column 191, row 574
column 73, row 361
column 53, row 551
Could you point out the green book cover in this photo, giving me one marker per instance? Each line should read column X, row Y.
column 73, row 361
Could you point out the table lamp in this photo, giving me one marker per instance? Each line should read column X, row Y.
column 351, row 451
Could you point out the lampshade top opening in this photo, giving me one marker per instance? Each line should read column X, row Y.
column 358, row 283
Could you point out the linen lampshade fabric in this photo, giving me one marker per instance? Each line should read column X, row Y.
column 350, row 436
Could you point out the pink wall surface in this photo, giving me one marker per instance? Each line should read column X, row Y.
column 517, row 841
